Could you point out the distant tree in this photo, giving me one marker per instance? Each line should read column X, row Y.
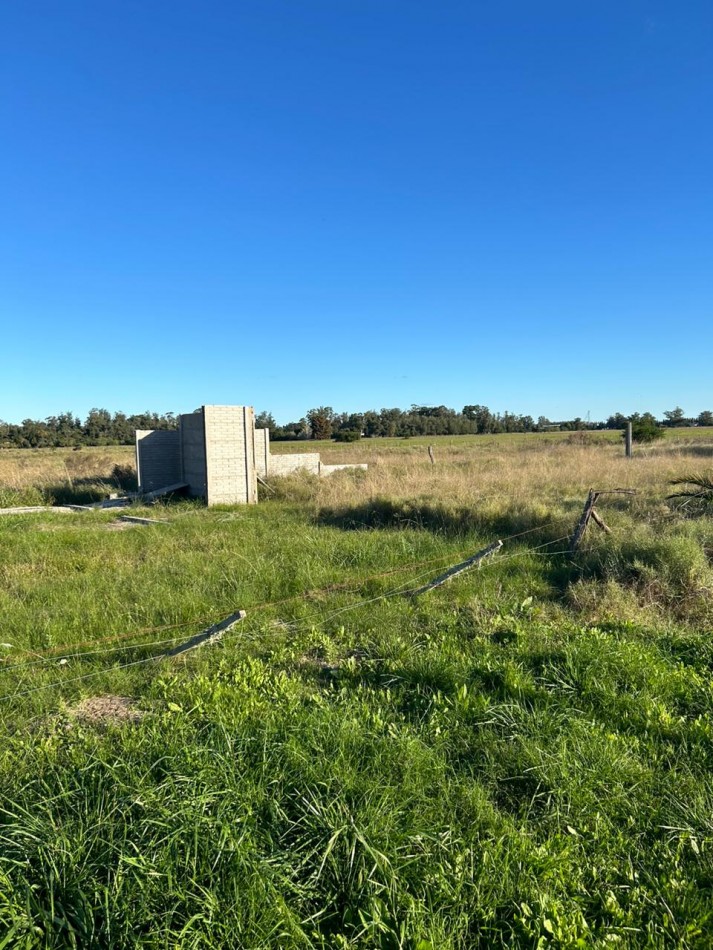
column 705, row 418
column 97, row 427
column 265, row 420
column 320, row 422
column 372, row 424
column 527, row 424
column 122, row 431
column 433, row 411
column 483, row 418
column 617, row 421
column 675, row 417
column 393, row 422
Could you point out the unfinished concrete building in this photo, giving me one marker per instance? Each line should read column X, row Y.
column 211, row 454
column 216, row 453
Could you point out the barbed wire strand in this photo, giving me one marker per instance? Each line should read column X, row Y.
column 60, row 649
column 399, row 590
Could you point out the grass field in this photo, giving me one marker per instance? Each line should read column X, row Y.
column 521, row 758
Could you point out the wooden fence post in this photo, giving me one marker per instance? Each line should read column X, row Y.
column 583, row 521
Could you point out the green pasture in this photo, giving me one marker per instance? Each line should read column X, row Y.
column 519, row 758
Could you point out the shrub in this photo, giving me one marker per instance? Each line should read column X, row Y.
column 645, row 429
column 347, row 435
column 125, row 476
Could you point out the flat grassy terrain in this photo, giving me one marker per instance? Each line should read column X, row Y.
column 520, row 758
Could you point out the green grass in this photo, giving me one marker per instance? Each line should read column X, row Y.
column 521, row 758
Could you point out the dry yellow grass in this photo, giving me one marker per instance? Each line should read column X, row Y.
column 516, row 473
column 37, row 468
column 508, row 472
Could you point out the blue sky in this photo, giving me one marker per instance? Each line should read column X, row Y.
column 358, row 203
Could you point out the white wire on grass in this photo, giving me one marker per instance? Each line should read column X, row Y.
column 57, row 658
column 328, row 589
column 76, row 679
column 392, row 593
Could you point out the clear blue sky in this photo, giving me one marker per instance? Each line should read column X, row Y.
column 358, row 203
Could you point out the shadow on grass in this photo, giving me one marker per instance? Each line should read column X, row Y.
column 383, row 513
column 697, row 451
column 83, row 491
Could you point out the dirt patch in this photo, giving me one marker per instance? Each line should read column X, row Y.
column 313, row 662
column 120, row 525
column 107, row 711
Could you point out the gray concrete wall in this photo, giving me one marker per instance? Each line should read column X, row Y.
column 193, row 453
column 328, row 469
column 286, row 464
column 158, row 458
column 262, row 452
column 230, row 455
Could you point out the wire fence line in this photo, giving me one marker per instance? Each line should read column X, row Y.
column 400, row 590
column 59, row 651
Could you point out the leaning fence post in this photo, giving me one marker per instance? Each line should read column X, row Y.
column 583, row 521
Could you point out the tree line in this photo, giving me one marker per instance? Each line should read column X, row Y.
column 323, row 423
column 102, row 427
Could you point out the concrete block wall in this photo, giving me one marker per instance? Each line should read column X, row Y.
column 328, row 469
column 286, row 464
column 193, row 458
column 158, row 458
column 218, row 452
column 262, row 452
column 230, row 455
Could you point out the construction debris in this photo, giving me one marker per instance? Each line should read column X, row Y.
column 134, row 520
column 211, row 635
column 459, row 568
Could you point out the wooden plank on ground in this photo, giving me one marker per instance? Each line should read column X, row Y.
column 158, row 492
column 459, row 568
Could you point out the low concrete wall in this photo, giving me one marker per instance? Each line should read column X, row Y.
column 328, row 469
column 286, row 464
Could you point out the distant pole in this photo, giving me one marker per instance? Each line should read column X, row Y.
column 430, row 455
column 629, row 452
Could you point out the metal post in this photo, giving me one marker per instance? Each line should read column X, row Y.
column 629, row 451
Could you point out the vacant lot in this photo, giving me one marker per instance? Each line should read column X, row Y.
column 519, row 758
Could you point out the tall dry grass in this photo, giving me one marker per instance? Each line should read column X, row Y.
column 36, row 476
column 534, row 473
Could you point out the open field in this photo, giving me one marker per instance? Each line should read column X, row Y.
column 520, row 758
